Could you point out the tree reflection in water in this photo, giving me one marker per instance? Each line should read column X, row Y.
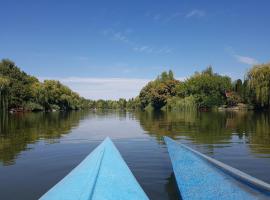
column 17, row 131
column 211, row 129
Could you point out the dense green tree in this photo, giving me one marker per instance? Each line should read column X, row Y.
column 238, row 86
column 156, row 92
column 181, row 104
column 133, row 104
column 259, row 82
column 4, row 83
column 208, row 88
column 202, row 90
column 19, row 90
column 19, row 83
column 122, row 103
column 233, row 99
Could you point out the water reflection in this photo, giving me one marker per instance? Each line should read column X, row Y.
column 172, row 189
column 211, row 128
column 19, row 130
column 240, row 139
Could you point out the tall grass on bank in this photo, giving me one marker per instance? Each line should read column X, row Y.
column 181, row 104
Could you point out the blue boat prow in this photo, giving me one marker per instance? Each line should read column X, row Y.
column 201, row 177
column 103, row 174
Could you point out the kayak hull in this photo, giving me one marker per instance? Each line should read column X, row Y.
column 201, row 177
column 103, row 174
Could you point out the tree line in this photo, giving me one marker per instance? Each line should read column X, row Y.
column 203, row 90
column 22, row 92
column 207, row 90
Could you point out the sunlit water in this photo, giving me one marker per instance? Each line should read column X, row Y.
column 39, row 149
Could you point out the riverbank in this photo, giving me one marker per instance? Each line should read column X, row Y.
column 238, row 107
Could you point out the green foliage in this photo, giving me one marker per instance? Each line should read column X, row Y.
column 243, row 91
column 158, row 91
column 208, row 88
column 4, row 83
column 233, row 99
column 133, row 104
column 181, row 89
column 259, row 82
column 120, row 104
column 238, row 86
column 182, row 104
column 19, row 83
column 32, row 106
column 19, row 90
column 203, row 90
column 60, row 95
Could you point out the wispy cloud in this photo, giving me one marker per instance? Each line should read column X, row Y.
column 82, row 58
column 102, row 88
column 149, row 49
column 143, row 49
column 135, row 46
column 246, row 60
column 166, row 18
column 196, row 13
column 240, row 58
column 119, row 36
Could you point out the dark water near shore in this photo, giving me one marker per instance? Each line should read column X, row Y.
column 39, row 149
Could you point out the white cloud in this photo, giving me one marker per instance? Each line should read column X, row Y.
column 164, row 50
column 103, row 88
column 246, row 60
column 242, row 59
column 196, row 13
column 149, row 49
column 164, row 18
column 82, row 58
column 135, row 46
column 143, row 48
column 119, row 36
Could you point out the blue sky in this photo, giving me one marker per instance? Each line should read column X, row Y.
column 110, row 49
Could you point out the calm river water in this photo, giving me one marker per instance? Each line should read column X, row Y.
column 39, row 149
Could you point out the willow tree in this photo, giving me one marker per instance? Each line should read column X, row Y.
column 259, row 82
column 4, row 83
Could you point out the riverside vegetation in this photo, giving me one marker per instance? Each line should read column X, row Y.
column 204, row 90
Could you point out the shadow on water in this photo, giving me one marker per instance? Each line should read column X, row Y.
column 172, row 189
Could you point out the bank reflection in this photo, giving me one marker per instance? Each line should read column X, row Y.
column 211, row 129
column 17, row 131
